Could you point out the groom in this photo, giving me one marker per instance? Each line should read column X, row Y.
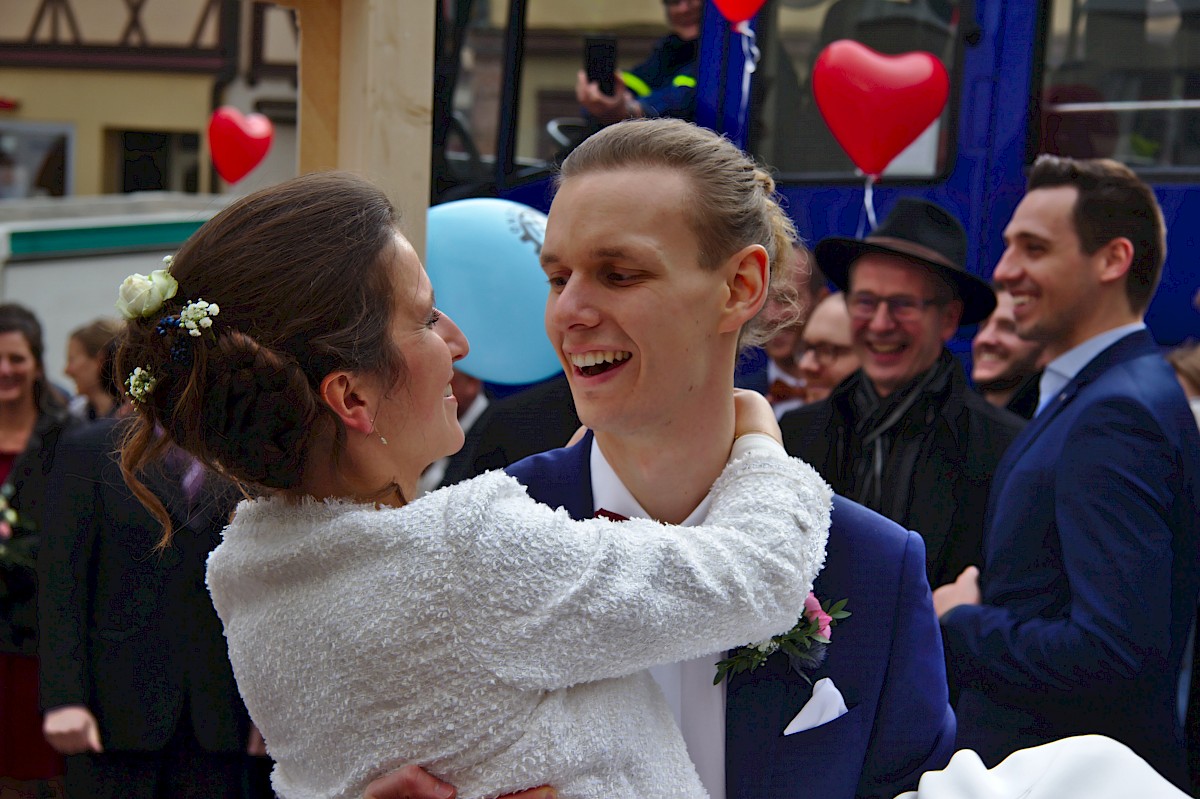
column 647, row 336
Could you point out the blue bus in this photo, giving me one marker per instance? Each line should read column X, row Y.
column 1085, row 78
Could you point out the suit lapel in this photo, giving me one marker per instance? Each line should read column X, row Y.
column 1132, row 346
column 560, row 478
column 577, row 490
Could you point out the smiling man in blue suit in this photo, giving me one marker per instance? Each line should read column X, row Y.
column 648, row 343
column 1081, row 620
column 630, row 291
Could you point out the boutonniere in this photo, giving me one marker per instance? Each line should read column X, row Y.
column 805, row 644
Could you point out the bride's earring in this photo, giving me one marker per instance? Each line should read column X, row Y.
column 382, row 440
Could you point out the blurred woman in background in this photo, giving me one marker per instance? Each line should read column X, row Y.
column 85, row 356
column 31, row 421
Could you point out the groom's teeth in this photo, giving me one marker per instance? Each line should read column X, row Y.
column 598, row 357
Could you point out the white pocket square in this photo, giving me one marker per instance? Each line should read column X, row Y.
column 825, row 705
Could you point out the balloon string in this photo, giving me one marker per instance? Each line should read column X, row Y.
column 869, row 200
column 750, row 56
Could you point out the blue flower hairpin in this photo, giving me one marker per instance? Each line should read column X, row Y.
column 195, row 319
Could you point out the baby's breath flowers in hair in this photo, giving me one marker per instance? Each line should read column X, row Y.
column 140, row 384
column 143, row 295
column 196, row 317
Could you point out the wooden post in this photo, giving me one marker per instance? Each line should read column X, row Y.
column 366, row 86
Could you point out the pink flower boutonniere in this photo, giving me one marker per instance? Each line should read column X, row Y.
column 805, row 644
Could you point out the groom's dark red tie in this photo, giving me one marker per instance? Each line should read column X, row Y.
column 607, row 514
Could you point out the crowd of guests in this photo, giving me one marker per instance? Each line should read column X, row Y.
column 1030, row 525
column 1038, row 535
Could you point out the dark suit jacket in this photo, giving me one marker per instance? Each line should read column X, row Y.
column 886, row 659
column 537, row 419
column 1091, row 570
column 1024, row 400
column 127, row 632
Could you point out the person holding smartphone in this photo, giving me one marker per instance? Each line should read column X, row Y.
column 664, row 85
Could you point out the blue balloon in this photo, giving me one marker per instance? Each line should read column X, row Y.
column 482, row 258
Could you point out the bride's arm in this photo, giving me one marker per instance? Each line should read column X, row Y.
column 563, row 601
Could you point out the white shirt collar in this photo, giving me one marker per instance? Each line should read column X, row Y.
column 609, row 493
column 1062, row 370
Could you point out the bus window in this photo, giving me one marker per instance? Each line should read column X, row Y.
column 1122, row 80
column 473, row 51
column 547, row 121
column 551, row 121
column 787, row 130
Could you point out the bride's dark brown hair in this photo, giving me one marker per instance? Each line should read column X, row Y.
column 300, row 272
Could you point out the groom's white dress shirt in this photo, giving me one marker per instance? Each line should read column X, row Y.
column 697, row 704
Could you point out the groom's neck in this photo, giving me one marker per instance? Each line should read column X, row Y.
column 669, row 472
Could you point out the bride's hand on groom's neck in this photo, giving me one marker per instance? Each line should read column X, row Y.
column 753, row 414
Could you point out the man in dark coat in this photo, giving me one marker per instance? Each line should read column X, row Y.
column 664, row 85
column 537, row 419
column 905, row 435
column 137, row 689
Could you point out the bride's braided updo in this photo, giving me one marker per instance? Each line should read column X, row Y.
column 300, row 274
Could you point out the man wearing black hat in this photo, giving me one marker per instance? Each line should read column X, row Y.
column 905, row 435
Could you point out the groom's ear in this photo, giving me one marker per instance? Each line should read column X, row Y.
column 347, row 395
column 747, row 277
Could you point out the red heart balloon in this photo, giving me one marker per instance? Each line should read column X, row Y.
column 738, row 10
column 876, row 104
column 238, row 143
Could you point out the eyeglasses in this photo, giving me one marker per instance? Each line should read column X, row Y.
column 901, row 307
column 825, row 354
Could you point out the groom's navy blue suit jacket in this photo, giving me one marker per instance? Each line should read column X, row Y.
column 886, row 660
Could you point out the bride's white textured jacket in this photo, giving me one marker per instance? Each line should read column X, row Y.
column 495, row 641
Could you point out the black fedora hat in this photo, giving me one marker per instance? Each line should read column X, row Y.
column 919, row 231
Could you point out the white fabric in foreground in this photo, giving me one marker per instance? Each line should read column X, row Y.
column 1086, row 766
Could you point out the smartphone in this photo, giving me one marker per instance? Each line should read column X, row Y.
column 600, row 57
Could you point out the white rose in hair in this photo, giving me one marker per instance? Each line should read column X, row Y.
column 142, row 295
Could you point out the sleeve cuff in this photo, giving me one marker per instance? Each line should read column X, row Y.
column 755, row 444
